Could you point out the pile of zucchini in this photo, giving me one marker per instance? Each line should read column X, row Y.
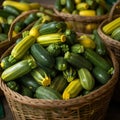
column 113, row 29
column 10, row 10
column 53, row 62
column 83, row 7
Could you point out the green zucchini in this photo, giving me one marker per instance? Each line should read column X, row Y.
column 101, row 75
column 116, row 34
column 29, row 82
column 97, row 60
column 71, row 36
column 47, row 93
column 12, row 10
column 42, row 56
column 17, row 70
column 52, row 27
column 5, row 62
column 61, row 64
column 13, row 85
column 86, row 79
column 100, row 46
column 26, row 92
column 59, row 83
column 5, row 28
column 78, row 61
column 58, row 5
column 4, row 13
column 41, row 77
column 31, row 18
column 70, row 5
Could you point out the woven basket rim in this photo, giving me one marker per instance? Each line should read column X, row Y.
column 106, row 38
column 78, row 18
column 87, row 99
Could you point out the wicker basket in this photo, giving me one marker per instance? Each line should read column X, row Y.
column 111, row 43
column 89, row 107
column 82, row 24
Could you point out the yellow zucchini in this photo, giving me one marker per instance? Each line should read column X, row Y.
column 87, row 13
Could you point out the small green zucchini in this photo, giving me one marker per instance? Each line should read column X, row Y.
column 41, row 76
column 52, row 27
column 18, row 70
column 5, row 62
column 61, row 64
column 86, row 79
column 42, row 56
column 100, row 46
column 77, row 60
column 12, row 10
column 47, row 93
column 70, row 5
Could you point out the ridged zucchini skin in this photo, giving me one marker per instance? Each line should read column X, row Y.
column 17, row 70
column 42, row 56
column 47, row 39
column 41, row 77
column 77, row 60
column 72, row 90
column 21, row 48
column 86, row 79
column 59, row 83
column 101, row 75
column 97, row 60
column 47, row 93
column 116, row 34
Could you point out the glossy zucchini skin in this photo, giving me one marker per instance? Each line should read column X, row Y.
column 97, row 60
column 47, row 93
column 86, row 79
column 17, row 70
column 42, row 56
column 29, row 82
column 100, row 46
column 101, row 75
column 77, row 60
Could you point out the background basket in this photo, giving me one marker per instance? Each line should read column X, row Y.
column 114, row 45
column 82, row 24
column 89, row 107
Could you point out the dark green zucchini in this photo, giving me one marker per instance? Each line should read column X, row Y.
column 29, row 82
column 42, row 56
column 97, row 60
column 101, row 75
column 61, row 64
column 77, row 60
column 47, row 93
column 70, row 5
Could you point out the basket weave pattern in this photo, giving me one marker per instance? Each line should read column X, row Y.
column 113, row 44
column 79, row 23
column 89, row 107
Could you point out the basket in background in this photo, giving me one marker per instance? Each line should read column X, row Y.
column 114, row 45
column 83, row 24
